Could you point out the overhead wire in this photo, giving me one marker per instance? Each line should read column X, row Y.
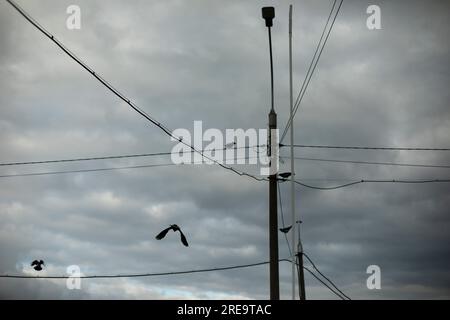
column 371, row 162
column 138, row 155
column 222, row 149
column 85, row 170
column 155, row 274
column 323, row 282
column 342, row 297
column 325, row 277
column 137, row 275
column 372, row 181
column 364, row 147
column 308, row 76
column 106, row 169
column 299, row 182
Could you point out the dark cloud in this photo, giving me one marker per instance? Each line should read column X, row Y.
column 184, row 61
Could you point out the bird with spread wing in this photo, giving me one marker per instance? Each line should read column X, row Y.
column 37, row 265
column 173, row 227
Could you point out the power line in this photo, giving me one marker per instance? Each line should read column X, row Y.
column 364, row 148
column 137, row 275
column 331, row 282
column 373, row 181
column 336, row 292
column 86, row 159
column 309, row 69
column 139, row 155
column 102, row 169
column 119, row 94
column 305, row 85
column 194, row 163
column 372, row 162
column 321, row 281
column 85, row 170
column 158, row 274
column 299, row 182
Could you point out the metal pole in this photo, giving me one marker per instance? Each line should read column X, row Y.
column 268, row 13
column 301, row 276
column 273, row 199
column 273, row 220
column 291, row 99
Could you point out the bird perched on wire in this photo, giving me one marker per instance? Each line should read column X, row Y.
column 231, row 144
column 173, row 227
column 37, row 265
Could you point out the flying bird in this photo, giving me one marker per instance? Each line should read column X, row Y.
column 37, row 265
column 173, row 227
column 286, row 229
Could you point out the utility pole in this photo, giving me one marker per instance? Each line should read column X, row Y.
column 301, row 277
column 273, row 220
column 291, row 102
column 301, row 282
column 268, row 13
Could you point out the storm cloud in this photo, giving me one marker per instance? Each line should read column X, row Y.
column 182, row 61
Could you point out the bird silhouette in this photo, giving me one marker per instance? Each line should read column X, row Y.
column 285, row 175
column 37, row 264
column 286, row 229
column 173, row 227
column 231, row 144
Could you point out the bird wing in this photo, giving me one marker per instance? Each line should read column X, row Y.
column 35, row 262
column 286, row 229
column 163, row 233
column 183, row 239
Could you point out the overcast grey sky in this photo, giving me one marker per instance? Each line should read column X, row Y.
column 208, row 60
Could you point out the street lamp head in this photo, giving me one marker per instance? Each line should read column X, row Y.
column 268, row 13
